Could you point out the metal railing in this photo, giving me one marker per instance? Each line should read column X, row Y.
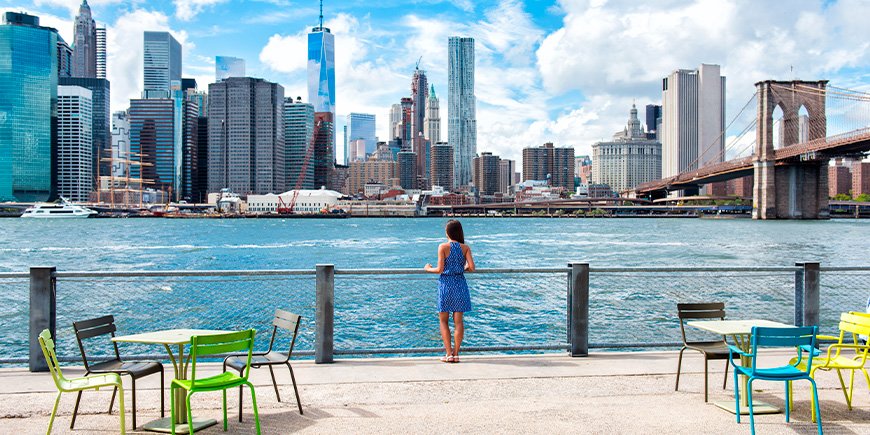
column 374, row 311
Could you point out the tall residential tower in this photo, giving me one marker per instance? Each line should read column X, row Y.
column 461, row 112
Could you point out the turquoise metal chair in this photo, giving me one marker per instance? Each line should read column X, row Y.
column 796, row 338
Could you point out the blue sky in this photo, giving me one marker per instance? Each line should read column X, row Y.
column 562, row 71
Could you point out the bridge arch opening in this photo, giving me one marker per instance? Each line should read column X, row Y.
column 803, row 124
column 778, row 121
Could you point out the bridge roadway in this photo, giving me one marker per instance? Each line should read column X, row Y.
column 847, row 144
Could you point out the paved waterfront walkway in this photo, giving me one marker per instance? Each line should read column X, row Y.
column 605, row 393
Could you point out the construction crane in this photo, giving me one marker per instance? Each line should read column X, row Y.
column 418, row 63
column 288, row 208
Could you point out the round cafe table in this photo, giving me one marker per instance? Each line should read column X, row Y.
column 177, row 338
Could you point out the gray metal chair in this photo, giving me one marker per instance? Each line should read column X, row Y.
column 105, row 325
column 712, row 350
column 284, row 320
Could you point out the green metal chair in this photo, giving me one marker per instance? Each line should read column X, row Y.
column 795, row 337
column 75, row 385
column 205, row 345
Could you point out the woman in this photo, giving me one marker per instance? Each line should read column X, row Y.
column 454, row 258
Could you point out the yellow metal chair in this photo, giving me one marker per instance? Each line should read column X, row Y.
column 846, row 354
column 64, row 385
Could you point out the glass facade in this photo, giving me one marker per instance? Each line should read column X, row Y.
column 28, row 109
column 321, row 70
column 361, row 126
column 152, row 141
column 298, row 133
column 461, row 112
column 161, row 64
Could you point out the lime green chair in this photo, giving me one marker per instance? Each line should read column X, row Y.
column 204, row 345
column 846, row 354
column 74, row 385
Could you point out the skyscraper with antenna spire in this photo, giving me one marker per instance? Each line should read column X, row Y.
column 321, row 67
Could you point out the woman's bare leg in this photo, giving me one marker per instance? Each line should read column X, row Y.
column 443, row 320
column 458, row 333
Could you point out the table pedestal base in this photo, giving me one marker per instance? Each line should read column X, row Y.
column 164, row 425
column 757, row 407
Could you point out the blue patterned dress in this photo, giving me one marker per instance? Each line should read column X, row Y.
column 452, row 289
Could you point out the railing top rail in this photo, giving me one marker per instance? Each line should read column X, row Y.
column 420, row 271
column 5, row 275
column 783, row 269
column 845, row 269
column 157, row 273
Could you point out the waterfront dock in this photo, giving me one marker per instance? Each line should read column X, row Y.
column 606, row 393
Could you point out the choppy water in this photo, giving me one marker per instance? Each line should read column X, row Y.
column 391, row 312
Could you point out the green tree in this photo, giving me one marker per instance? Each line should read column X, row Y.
column 864, row 197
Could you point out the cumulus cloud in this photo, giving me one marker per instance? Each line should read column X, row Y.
column 73, row 5
column 186, row 10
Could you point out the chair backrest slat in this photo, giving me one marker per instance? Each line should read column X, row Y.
column 204, row 345
column 706, row 306
column 855, row 324
column 706, row 310
column 714, row 314
column 84, row 334
column 783, row 337
column 288, row 324
column 48, row 350
column 91, row 323
column 85, row 329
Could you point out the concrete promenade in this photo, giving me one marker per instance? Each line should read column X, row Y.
column 606, row 393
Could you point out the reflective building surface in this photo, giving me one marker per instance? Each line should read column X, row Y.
column 321, row 70
column 461, row 112
column 161, row 63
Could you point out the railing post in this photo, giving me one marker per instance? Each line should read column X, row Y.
column 579, row 309
column 43, row 313
column 799, row 295
column 811, row 294
column 324, row 314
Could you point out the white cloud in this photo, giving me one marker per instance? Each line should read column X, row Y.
column 186, row 10
column 73, row 5
column 64, row 26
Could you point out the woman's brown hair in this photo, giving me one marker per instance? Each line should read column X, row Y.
column 454, row 231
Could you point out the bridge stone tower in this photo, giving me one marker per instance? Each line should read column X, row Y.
column 797, row 188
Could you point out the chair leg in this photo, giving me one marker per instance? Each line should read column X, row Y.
column 189, row 413
column 706, row 375
column 816, row 406
column 72, row 422
column 790, row 397
column 736, row 397
column 121, row 406
column 240, row 399
column 162, row 393
column 54, row 412
column 751, row 413
column 787, row 404
column 679, row 365
column 845, row 391
column 254, row 403
column 172, row 407
column 133, row 394
column 274, row 383
column 725, row 378
column 224, row 394
column 296, row 390
column 112, row 402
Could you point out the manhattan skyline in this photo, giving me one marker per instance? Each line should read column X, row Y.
column 561, row 72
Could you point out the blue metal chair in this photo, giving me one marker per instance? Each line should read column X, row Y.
column 796, row 337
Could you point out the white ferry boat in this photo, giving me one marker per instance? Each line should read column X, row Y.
column 54, row 211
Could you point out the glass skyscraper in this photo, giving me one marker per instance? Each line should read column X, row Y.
column 321, row 70
column 361, row 126
column 161, row 64
column 298, row 134
column 461, row 112
column 28, row 107
column 227, row 66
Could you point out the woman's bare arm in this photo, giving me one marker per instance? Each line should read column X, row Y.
column 443, row 251
column 469, row 260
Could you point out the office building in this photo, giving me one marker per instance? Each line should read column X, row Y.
column 441, row 172
column 507, row 169
column 161, row 64
column 395, row 121
column 200, row 187
column 461, row 112
column 228, row 66
column 361, row 126
column 190, row 152
column 629, row 159
column 84, row 43
column 64, row 58
column 120, row 144
column 101, row 125
column 432, row 121
column 321, row 69
column 153, row 142
column 246, row 136
column 404, row 127
column 693, row 119
column 101, row 52
column 551, row 164
column 419, row 97
column 407, row 169
column 653, row 119
column 356, row 150
column 370, row 171
column 75, row 178
column 28, row 95
column 323, row 155
column 487, row 168
column 298, row 136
